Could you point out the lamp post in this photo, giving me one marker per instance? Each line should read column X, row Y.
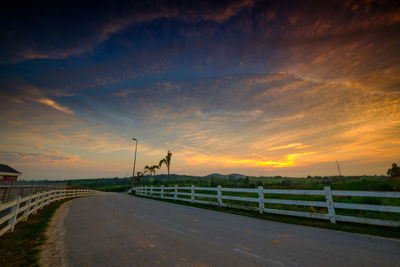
column 134, row 164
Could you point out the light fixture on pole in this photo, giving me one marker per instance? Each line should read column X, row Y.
column 134, row 164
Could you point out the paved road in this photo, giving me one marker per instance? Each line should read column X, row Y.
column 120, row 230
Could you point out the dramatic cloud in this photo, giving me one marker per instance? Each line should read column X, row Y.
column 258, row 87
column 77, row 27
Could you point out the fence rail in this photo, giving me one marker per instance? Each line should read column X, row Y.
column 216, row 197
column 9, row 191
column 19, row 209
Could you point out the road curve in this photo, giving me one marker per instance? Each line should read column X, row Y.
column 120, row 230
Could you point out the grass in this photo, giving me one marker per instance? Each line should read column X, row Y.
column 340, row 226
column 21, row 247
column 113, row 188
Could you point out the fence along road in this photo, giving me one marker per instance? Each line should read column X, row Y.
column 121, row 230
column 18, row 210
column 216, row 197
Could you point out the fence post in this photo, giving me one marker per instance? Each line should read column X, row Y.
column 45, row 198
column 329, row 202
column 176, row 192
column 151, row 191
column 192, row 194
column 261, row 199
column 14, row 210
column 26, row 212
column 36, row 202
column 21, row 191
column 219, row 196
column 5, row 194
column 162, row 191
column 43, row 203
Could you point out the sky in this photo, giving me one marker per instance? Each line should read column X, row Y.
column 260, row 88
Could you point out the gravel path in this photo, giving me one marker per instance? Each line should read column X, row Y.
column 120, row 230
column 52, row 252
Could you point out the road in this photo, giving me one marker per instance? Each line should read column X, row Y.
column 120, row 230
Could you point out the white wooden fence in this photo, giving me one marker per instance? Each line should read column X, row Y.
column 189, row 194
column 20, row 208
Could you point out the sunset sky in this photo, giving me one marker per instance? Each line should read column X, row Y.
column 251, row 87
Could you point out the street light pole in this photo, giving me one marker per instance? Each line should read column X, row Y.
column 134, row 164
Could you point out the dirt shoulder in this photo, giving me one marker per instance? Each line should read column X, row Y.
column 52, row 251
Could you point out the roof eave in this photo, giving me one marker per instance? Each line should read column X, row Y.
column 11, row 173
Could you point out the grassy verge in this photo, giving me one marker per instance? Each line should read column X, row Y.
column 21, row 247
column 340, row 226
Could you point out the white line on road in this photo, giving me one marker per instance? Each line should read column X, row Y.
column 256, row 256
column 173, row 229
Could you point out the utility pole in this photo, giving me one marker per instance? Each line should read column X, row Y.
column 337, row 163
column 134, row 165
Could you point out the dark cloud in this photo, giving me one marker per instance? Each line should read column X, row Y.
column 66, row 28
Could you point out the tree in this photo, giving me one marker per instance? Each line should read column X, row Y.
column 139, row 176
column 212, row 183
column 151, row 170
column 167, row 162
column 394, row 171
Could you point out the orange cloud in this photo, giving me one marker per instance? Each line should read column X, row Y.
column 296, row 145
column 54, row 105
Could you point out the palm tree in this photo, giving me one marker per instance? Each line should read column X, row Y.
column 167, row 162
column 151, row 170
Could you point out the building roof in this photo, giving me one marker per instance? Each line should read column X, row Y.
column 7, row 169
